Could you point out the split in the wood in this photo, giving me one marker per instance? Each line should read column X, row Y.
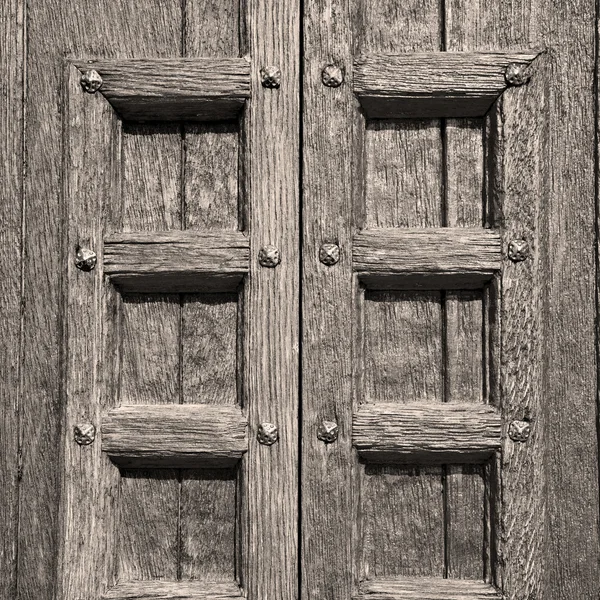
column 428, row 433
column 428, row 258
column 176, row 261
column 175, row 435
column 434, row 84
column 190, row 89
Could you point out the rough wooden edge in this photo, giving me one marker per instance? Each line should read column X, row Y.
column 433, row 84
column 426, row 588
column 433, row 432
column 173, row 590
column 176, row 261
column 172, row 435
column 193, row 89
column 90, row 481
column 435, row 258
column 12, row 44
column 270, row 162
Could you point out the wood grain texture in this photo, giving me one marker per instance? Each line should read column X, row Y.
column 194, row 433
column 429, row 431
column 427, row 588
column 176, row 261
column 404, row 188
column 430, row 85
column 191, row 89
column 403, row 521
column 270, row 166
column 173, row 590
column 90, row 482
column 332, row 148
column 56, row 29
column 11, row 256
column 470, row 256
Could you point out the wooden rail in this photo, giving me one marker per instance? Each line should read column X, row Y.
column 426, row 588
column 173, row 590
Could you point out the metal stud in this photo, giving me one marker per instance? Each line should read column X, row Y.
column 270, row 77
column 84, row 433
column 91, row 81
column 332, row 76
column 329, row 254
column 516, row 75
column 328, row 431
column 269, row 256
column 518, row 250
column 267, row 434
column 85, row 259
column 519, row 431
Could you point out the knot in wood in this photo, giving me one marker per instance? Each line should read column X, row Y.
column 329, row 254
column 91, row 81
column 267, row 434
column 519, row 431
column 270, row 77
column 85, row 259
column 518, row 250
column 328, row 431
column 516, row 74
column 332, row 76
column 84, row 433
column 269, row 256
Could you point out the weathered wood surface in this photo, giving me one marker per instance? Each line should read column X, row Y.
column 439, row 257
column 89, row 482
column 191, row 89
column 430, row 432
column 403, row 188
column 173, row 590
column 427, row 85
column 271, row 188
column 176, row 261
column 11, row 257
column 427, row 588
column 192, row 434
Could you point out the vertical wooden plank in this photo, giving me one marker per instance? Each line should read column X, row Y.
column 518, row 187
column 332, row 145
column 90, row 481
column 271, row 301
column 570, row 359
column 209, row 338
column 55, row 29
column 11, row 200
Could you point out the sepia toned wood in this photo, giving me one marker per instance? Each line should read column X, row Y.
column 175, row 435
column 429, row 85
column 12, row 39
column 395, row 541
column 270, row 314
column 191, row 89
column 427, row 588
column 430, row 432
column 173, row 590
column 90, row 482
column 467, row 256
column 176, row 261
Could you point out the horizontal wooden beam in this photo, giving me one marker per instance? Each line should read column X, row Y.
column 191, row 89
column 173, row 590
column 431, row 258
column 431, row 433
column 174, row 435
column 426, row 588
column 433, row 84
column 176, row 261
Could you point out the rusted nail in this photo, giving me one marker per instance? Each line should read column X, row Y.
column 518, row 250
column 270, row 77
column 84, row 433
column 328, row 431
column 519, row 431
column 85, row 259
column 329, row 254
column 332, row 76
column 269, row 256
column 267, row 434
column 516, row 74
column 91, row 81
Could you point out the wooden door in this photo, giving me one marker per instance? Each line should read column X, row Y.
column 179, row 443
column 443, row 453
